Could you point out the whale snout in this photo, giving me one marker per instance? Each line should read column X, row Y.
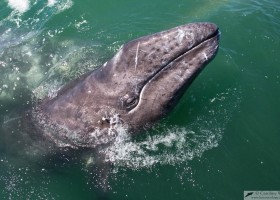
column 179, row 55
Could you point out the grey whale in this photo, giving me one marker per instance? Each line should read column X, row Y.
column 137, row 87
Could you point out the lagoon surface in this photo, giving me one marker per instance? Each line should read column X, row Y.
column 223, row 138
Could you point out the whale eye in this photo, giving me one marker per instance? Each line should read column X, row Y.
column 129, row 102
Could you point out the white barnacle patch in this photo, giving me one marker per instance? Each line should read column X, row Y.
column 136, row 55
column 113, row 126
column 180, row 36
column 178, row 77
column 205, row 56
column 184, row 35
column 117, row 56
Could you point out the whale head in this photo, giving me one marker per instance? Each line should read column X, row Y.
column 149, row 75
column 141, row 83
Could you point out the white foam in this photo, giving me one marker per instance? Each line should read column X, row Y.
column 19, row 5
column 64, row 5
column 51, row 3
column 175, row 145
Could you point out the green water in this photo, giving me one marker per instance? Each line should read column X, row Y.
column 221, row 139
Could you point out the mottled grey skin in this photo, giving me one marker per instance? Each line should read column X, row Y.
column 138, row 86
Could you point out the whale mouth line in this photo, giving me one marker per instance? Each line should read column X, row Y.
column 185, row 51
column 215, row 34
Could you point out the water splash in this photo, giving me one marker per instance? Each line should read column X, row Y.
column 172, row 146
column 19, row 44
column 175, row 145
column 21, row 6
column 30, row 64
column 51, row 2
column 18, row 26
